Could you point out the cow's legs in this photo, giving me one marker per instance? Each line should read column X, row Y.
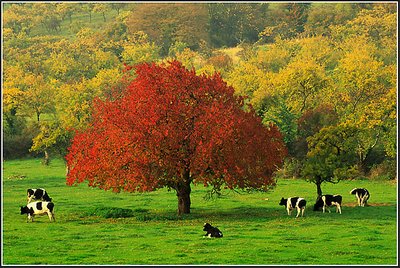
column 51, row 216
column 360, row 200
column 338, row 209
column 326, row 208
column 298, row 212
column 363, row 200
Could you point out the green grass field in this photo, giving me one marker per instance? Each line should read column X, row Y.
column 98, row 227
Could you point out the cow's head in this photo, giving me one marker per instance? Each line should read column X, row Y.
column 30, row 192
column 318, row 204
column 207, row 227
column 26, row 210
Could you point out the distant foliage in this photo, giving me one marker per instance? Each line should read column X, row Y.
column 303, row 66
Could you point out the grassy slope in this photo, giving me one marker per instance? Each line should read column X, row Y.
column 79, row 21
column 256, row 229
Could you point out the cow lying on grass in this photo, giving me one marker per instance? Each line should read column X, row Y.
column 362, row 196
column 294, row 202
column 38, row 194
column 38, row 208
column 211, row 231
column 327, row 200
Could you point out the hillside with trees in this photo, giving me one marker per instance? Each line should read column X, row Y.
column 325, row 74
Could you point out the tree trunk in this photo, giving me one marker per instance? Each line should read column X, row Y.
column 319, row 190
column 183, row 192
column 46, row 159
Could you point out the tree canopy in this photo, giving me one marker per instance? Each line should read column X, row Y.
column 171, row 128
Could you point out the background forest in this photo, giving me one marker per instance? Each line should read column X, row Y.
column 324, row 73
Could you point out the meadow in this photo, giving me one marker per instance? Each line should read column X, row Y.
column 101, row 227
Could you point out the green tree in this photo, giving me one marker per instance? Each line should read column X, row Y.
column 310, row 123
column 284, row 20
column 87, row 8
column 322, row 16
column 118, row 6
column 102, row 9
column 166, row 24
column 66, row 10
column 234, row 23
column 331, row 156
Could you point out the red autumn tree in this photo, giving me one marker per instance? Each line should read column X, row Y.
column 171, row 128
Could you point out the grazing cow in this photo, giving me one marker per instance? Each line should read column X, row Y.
column 362, row 196
column 294, row 202
column 38, row 194
column 38, row 208
column 211, row 231
column 327, row 200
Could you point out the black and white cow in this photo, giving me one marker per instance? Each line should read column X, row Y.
column 211, row 231
column 362, row 196
column 38, row 194
column 327, row 200
column 38, row 208
column 294, row 202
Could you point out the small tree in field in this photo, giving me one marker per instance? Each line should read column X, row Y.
column 171, row 128
column 331, row 155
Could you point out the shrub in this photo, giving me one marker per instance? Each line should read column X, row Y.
column 17, row 146
column 291, row 169
column 221, row 61
column 384, row 171
column 110, row 212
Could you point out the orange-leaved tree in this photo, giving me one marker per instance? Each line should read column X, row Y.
column 170, row 128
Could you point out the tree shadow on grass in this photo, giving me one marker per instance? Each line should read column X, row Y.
column 244, row 213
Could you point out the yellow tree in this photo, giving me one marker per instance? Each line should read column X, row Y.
column 300, row 84
column 139, row 49
column 360, row 77
column 362, row 83
column 73, row 107
column 245, row 78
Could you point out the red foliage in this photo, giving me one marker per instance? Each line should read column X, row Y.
column 170, row 126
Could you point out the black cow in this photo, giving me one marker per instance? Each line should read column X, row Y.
column 362, row 196
column 327, row 200
column 38, row 208
column 294, row 202
column 211, row 231
column 38, row 194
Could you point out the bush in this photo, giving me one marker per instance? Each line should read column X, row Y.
column 291, row 169
column 384, row 171
column 17, row 146
column 220, row 60
column 110, row 212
